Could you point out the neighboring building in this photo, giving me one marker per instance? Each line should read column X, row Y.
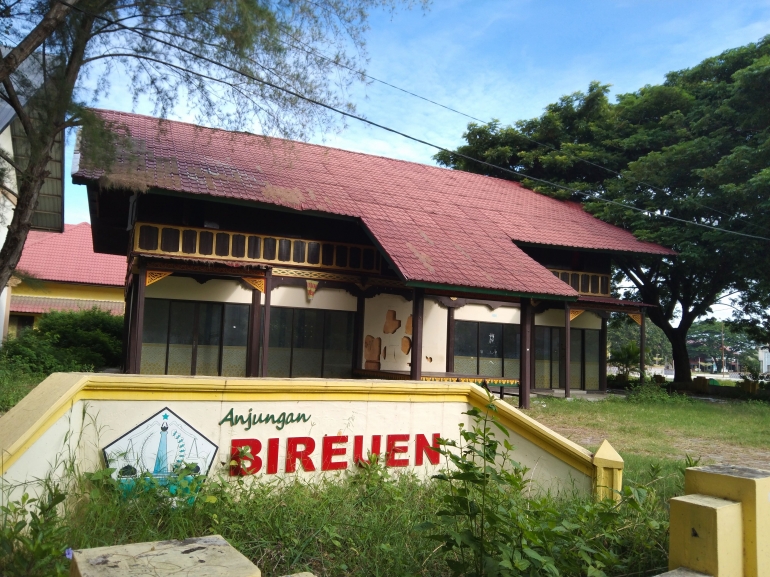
column 49, row 215
column 764, row 360
column 252, row 256
column 66, row 275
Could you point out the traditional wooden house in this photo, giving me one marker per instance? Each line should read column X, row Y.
column 256, row 256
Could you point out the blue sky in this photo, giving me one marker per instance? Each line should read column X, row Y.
column 508, row 60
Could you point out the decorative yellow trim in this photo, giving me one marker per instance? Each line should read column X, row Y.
column 575, row 313
column 48, row 402
column 637, row 317
column 315, row 275
column 154, row 276
column 257, row 283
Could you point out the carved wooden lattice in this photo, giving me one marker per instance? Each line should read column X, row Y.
column 637, row 317
column 154, row 276
column 257, row 283
column 575, row 313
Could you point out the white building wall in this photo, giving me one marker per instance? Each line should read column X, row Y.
column 329, row 299
column 184, row 288
column 484, row 314
column 6, row 214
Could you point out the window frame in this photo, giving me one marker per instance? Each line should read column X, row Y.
column 478, row 347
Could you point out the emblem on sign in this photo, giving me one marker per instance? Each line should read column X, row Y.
column 160, row 446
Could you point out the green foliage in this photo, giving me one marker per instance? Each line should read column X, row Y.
column 33, row 537
column 626, row 357
column 705, row 341
column 650, row 393
column 695, row 148
column 67, row 341
column 15, row 382
column 622, row 329
column 488, row 526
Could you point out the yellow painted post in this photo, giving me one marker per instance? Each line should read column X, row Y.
column 706, row 535
column 608, row 472
column 750, row 487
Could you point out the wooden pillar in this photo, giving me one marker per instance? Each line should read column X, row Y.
column 603, row 357
column 137, row 321
column 255, row 334
column 525, row 363
column 127, row 311
column 450, row 340
column 358, row 331
column 418, row 303
column 266, row 322
column 567, row 350
column 642, row 346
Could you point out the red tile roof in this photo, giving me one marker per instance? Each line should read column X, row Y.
column 437, row 225
column 36, row 305
column 69, row 257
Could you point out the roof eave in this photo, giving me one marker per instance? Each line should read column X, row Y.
column 488, row 291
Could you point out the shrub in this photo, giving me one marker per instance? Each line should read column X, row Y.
column 487, row 527
column 654, row 393
column 67, row 341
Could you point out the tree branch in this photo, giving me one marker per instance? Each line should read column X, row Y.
column 35, row 38
column 13, row 100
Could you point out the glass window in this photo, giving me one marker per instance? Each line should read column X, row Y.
column 279, row 348
column 542, row 357
column 338, row 344
column 307, row 343
column 576, row 359
column 209, row 333
column 466, row 347
column 180, row 338
column 235, row 340
column 511, row 351
column 186, row 337
column 154, row 337
column 591, row 359
column 487, row 349
column 491, row 349
column 310, row 343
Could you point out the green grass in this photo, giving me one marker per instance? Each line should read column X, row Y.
column 663, row 430
column 14, row 386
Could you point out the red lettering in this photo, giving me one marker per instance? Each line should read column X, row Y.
column 272, row 456
column 329, row 451
column 392, row 450
column 293, row 453
column 358, row 448
column 424, row 449
column 244, row 453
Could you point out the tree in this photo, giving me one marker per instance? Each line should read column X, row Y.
column 621, row 329
column 705, row 341
column 695, row 148
column 232, row 62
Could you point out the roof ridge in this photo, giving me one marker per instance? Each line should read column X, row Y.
column 324, row 146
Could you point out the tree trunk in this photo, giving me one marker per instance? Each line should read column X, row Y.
column 678, row 339
column 35, row 38
column 29, row 191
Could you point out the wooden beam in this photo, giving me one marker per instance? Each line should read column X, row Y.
column 450, row 341
column 125, row 350
column 138, row 320
column 266, row 322
column 358, row 331
column 418, row 302
column 255, row 334
column 567, row 348
column 603, row 357
column 525, row 376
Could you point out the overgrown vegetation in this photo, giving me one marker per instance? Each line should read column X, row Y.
column 62, row 341
column 369, row 522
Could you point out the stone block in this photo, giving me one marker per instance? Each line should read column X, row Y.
column 750, row 487
column 706, row 536
column 211, row 556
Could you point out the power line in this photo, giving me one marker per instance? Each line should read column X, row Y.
column 309, row 50
column 397, row 132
